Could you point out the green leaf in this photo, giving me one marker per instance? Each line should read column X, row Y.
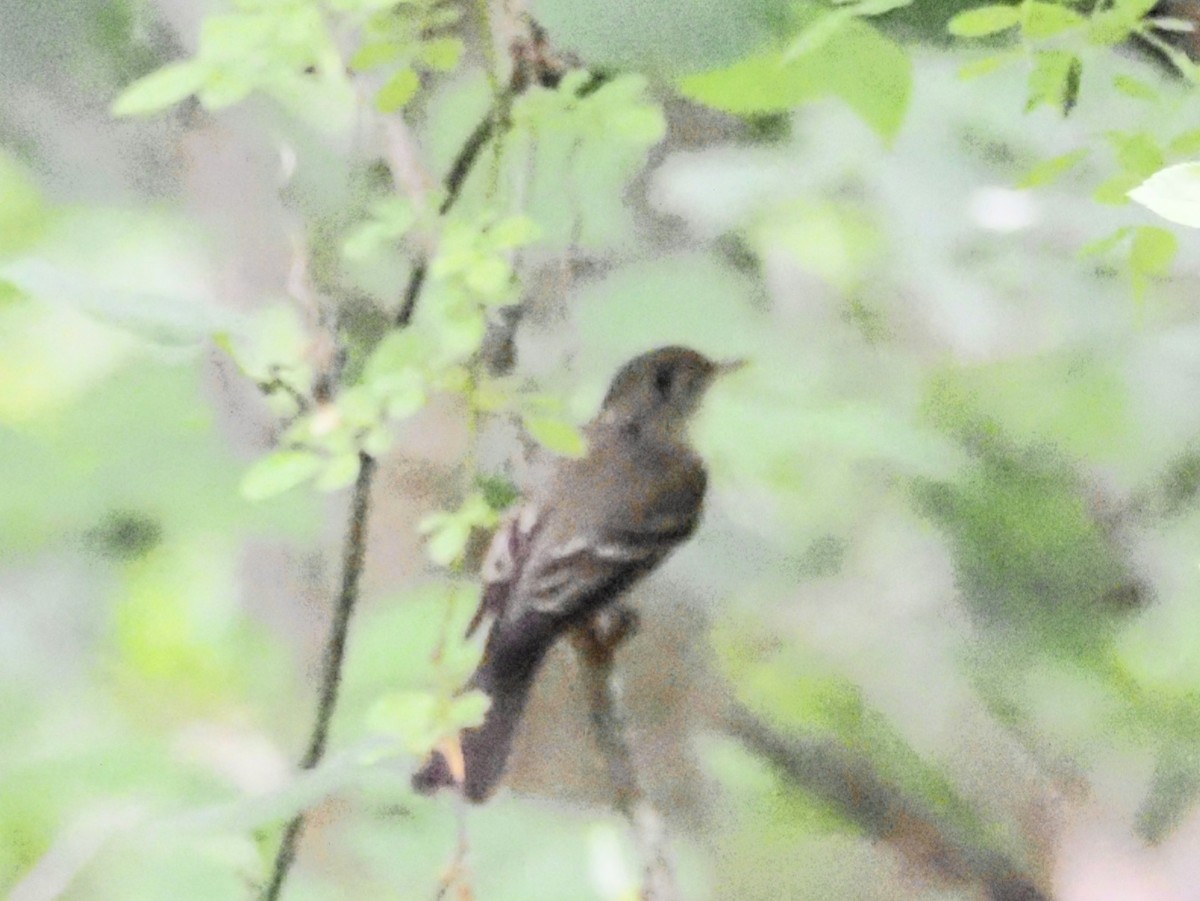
column 1045, row 20
column 468, row 710
column 339, row 472
column 222, row 89
column 1135, row 88
column 448, row 542
column 557, row 435
column 984, row 20
column 375, row 54
column 868, row 71
column 987, row 65
column 1185, row 144
column 279, row 471
column 1049, row 170
column 1115, row 190
column 160, row 89
column 442, row 54
column 817, row 34
column 515, row 231
column 1173, row 193
column 1137, row 152
column 397, row 91
column 1054, row 80
column 411, row 715
column 1153, row 250
column 1105, row 245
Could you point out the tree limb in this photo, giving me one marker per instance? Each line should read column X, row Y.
column 847, row 782
column 596, row 646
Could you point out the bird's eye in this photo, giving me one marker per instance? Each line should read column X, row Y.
column 663, row 379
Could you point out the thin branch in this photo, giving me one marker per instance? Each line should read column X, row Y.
column 355, row 544
column 848, row 783
column 596, row 646
column 331, row 668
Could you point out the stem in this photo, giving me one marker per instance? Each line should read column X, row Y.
column 596, row 646
column 331, row 667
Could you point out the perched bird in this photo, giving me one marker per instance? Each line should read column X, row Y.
column 587, row 532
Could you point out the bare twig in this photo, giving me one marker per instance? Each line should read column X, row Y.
column 596, row 646
column 331, row 668
column 848, row 783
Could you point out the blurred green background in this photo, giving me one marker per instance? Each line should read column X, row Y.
column 952, row 532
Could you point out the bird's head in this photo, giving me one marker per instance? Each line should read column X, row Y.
column 662, row 387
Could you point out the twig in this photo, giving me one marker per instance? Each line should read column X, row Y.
column 596, row 645
column 355, row 544
column 848, row 783
column 331, row 668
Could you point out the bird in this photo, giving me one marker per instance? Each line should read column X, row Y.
column 590, row 529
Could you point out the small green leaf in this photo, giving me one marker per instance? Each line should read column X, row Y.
column 397, row 91
column 1105, row 245
column 515, row 231
column 442, row 54
column 1185, row 144
column 448, row 542
column 378, row 441
column 467, row 710
column 160, row 89
column 409, row 715
column 817, row 34
column 375, row 54
column 339, row 472
column 1153, row 250
column 556, row 435
column 1054, row 80
column 1135, row 88
column 984, row 20
column 490, row 277
column 1049, row 170
column 279, row 471
column 1150, row 257
column 1173, row 193
column 1114, row 191
column 1045, row 20
column 1137, row 152
column 222, row 89
column 987, row 65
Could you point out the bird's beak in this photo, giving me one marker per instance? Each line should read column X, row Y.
column 724, row 367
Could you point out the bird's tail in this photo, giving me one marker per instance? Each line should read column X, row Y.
column 506, row 677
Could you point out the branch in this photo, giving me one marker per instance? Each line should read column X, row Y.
column 355, row 544
column 828, row 771
column 331, row 667
column 596, row 645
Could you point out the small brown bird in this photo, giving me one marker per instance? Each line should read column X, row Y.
column 590, row 530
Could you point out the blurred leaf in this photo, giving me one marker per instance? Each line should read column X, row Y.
column 1054, row 80
column 857, row 63
column 1115, row 190
column 400, row 88
column 449, row 532
column 160, row 89
column 1045, row 20
column 1173, row 193
column 984, row 20
column 1050, row 170
column 1135, row 88
column 558, row 435
column 339, row 472
column 1150, row 256
column 278, row 472
column 442, row 54
column 987, row 65
column 1137, row 152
